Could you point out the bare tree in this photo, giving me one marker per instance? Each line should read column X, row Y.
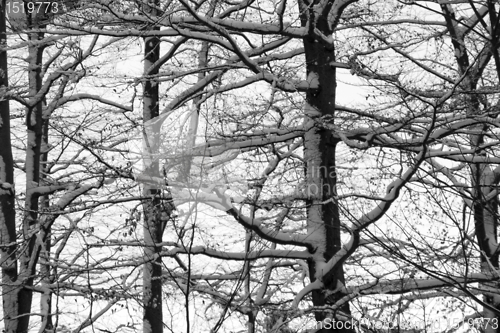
column 49, row 191
column 298, row 206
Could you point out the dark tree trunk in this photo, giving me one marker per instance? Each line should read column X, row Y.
column 321, row 179
column 46, row 271
column 484, row 207
column 34, row 124
column 152, row 273
column 8, row 260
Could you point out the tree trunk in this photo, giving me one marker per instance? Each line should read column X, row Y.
column 46, row 275
column 323, row 220
column 152, row 272
column 485, row 210
column 8, row 260
column 34, row 124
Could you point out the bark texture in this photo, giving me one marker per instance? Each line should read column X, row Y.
column 484, row 205
column 152, row 271
column 323, row 219
column 8, row 260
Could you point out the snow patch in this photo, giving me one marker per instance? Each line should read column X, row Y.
column 313, row 80
column 6, row 186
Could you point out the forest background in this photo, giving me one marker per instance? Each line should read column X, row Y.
column 249, row 166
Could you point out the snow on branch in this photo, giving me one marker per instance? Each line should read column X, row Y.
column 237, row 255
